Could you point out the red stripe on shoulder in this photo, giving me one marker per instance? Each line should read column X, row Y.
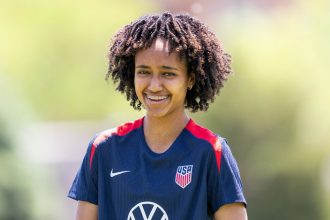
column 92, row 155
column 128, row 127
column 207, row 135
column 120, row 130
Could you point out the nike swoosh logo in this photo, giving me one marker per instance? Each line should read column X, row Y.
column 113, row 174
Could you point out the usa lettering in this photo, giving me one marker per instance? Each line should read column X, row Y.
column 185, row 169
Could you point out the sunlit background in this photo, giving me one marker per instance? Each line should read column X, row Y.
column 274, row 110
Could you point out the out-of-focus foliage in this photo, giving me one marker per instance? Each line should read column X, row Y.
column 275, row 110
column 52, row 65
column 25, row 189
column 14, row 192
column 55, row 51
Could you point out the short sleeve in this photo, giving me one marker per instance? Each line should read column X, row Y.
column 224, row 181
column 84, row 186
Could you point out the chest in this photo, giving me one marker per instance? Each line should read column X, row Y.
column 132, row 179
column 131, row 168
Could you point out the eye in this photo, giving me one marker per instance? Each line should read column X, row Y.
column 142, row 72
column 169, row 74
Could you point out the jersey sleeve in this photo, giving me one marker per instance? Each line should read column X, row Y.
column 224, row 181
column 84, row 186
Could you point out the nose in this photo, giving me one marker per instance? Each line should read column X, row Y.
column 155, row 84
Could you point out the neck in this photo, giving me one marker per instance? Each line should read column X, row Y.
column 160, row 133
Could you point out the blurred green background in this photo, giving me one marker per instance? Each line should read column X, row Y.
column 274, row 109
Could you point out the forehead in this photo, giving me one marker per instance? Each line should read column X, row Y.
column 160, row 45
column 158, row 52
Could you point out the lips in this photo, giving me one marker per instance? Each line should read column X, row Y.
column 156, row 98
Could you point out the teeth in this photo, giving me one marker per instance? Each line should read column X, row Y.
column 154, row 97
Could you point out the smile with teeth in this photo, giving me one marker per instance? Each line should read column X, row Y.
column 157, row 98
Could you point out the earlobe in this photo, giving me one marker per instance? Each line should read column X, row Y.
column 191, row 81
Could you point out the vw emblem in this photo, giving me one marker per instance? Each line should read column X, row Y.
column 147, row 211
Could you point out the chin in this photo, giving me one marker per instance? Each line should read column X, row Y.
column 158, row 113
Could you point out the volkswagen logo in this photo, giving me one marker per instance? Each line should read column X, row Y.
column 147, row 211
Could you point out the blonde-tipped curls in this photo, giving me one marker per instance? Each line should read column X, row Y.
column 187, row 35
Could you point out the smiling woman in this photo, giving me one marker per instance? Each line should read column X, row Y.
column 161, row 80
column 164, row 63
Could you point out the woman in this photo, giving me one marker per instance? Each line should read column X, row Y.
column 164, row 165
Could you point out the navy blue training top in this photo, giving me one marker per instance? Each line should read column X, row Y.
column 191, row 180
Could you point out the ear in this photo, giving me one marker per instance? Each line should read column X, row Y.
column 191, row 80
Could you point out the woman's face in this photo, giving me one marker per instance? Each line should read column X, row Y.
column 161, row 80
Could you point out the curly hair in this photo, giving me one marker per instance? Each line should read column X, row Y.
column 186, row 35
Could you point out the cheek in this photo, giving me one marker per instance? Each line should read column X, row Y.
column 136, row 83
column 138, row 86
column 180, row 91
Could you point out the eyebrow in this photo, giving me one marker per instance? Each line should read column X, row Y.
column 163, row 67
column 169, row 68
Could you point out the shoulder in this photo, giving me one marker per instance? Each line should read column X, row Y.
column 121, row 130
column 213, row 142
column 104, row 136
column 205, row 134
